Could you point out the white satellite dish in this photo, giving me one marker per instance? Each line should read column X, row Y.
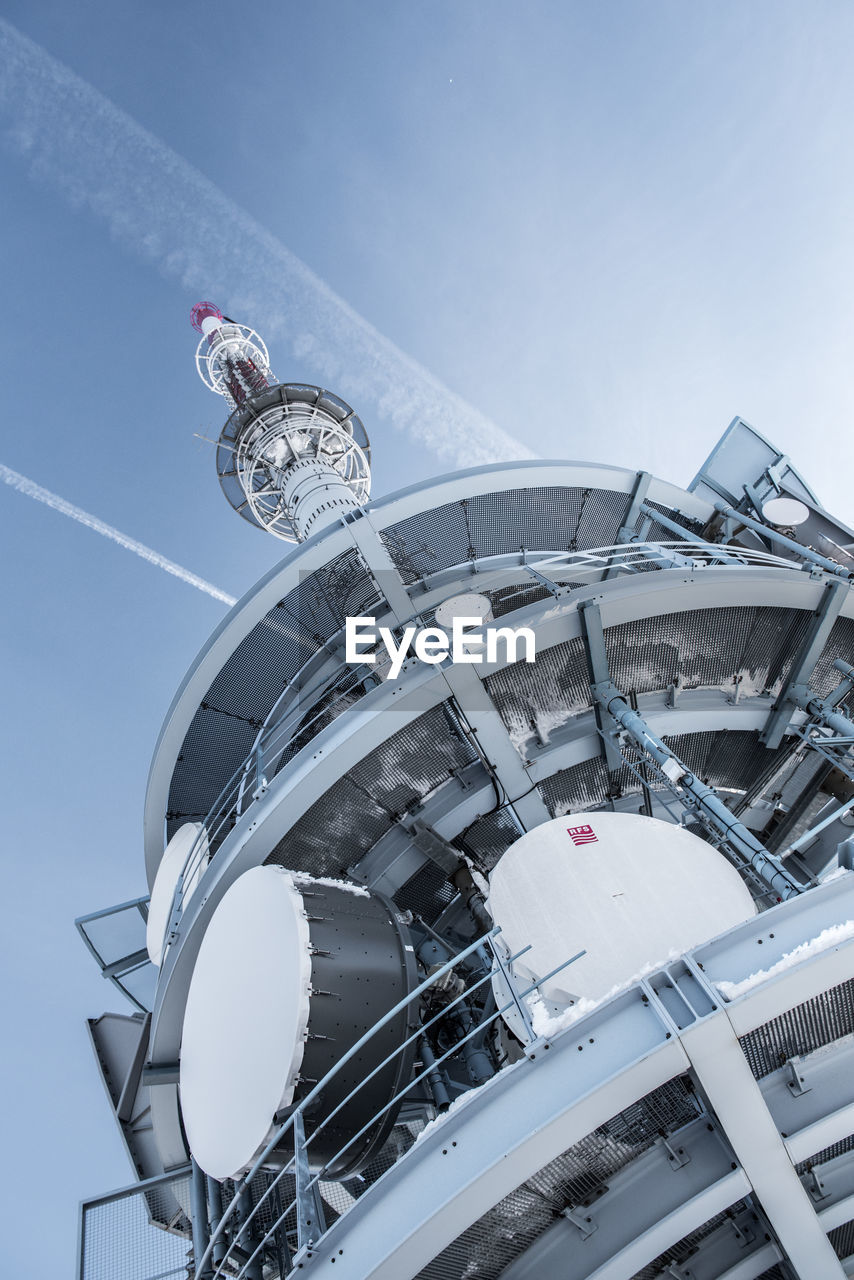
column 785, row 512
column 245, row 1021
column 631, row 891
column 291, row 974
column 171, row 866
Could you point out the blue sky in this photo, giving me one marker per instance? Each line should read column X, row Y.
column 606, row 227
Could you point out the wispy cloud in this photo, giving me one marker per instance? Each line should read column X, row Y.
column 53, row 500
column 156, row 203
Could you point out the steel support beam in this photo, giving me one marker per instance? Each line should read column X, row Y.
column 593, row 635
column 737, row 836
column 819, row 633
column 495, row 744
column 726, row 1079
column 311, row 1223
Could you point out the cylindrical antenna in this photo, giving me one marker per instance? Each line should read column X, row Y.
column 291, row 458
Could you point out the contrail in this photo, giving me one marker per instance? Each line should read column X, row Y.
column 159, row 205
column 53, row 500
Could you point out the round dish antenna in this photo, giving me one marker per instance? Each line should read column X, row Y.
column 786, row 513
column 633, row 891
column 304, row 967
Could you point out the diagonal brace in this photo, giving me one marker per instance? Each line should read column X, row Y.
column 736, row 834
column 819, row 633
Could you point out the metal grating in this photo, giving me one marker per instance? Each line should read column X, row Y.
column 505, row 599
column 839, row 645
column 825, row 1018
column 550, row 518
column 707, row 648
column 827, row 1153
column 486, row 840
column 729, row 759
column 842, row 1239
column 362, row 805
column 136, row 1235
column 488, row 1246
column 534, row 701
column 427, row 893
column 687, row 1247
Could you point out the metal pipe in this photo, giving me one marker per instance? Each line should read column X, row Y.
column 803, row 840
column 201, row 1229
column 738, row 836
column 214, row 1214
column 805, row 553
column 822, row 709
column 434, row 1077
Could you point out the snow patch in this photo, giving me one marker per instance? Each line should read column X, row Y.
column 300, row 878
column 830, row 937
column 548, row 1025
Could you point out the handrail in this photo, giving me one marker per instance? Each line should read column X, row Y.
column 487, row 940
column 345, row 1058
column 274, row 739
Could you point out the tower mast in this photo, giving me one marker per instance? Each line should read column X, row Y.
column 292, row 458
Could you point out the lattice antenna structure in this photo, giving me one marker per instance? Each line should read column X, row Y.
column 292, row 458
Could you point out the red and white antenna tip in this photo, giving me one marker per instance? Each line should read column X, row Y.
column 203, row 311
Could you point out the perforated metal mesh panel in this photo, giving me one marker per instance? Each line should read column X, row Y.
column 505, row 599
column 827, row 1153
column 360, row 807
column 136, row 1236
column 485, row 841
column 839, row 645
column 234, row 707
column 686, row 1248
column 727, row 759
column 706, row 648
column 535, row 700
column 504, row 1233
column 842, row 1239
column 427, row 893
column 551, row 518
column 819, row 1021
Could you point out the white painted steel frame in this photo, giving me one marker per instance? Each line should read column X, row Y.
column 330, row 543
column 531, row 1113
column 391, row 706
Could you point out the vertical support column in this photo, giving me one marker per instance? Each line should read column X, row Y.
column 201, row 1228
column 593, row 636
column 311, row 1223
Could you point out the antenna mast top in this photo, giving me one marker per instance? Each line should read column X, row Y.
column 291, row 458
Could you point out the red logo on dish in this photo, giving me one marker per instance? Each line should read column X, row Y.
column 582, row 835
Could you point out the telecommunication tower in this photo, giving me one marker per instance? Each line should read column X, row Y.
column 291, row 458
column 494, row 969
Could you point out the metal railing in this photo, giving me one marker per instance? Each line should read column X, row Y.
column 141, row 1232
column 115, row 936
column 299, row 714
column 298, row 1225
